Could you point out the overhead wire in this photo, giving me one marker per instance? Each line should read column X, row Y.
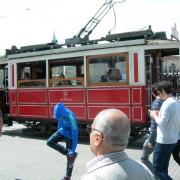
column 13, row 13
column 143, row 28
column 28, row 9
column 109, row 32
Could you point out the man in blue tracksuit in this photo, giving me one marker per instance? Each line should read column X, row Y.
column 68, row 131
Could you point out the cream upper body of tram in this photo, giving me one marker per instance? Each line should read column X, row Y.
column 89, row 78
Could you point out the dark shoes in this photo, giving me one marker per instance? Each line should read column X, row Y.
column 71, row 160
column 66, row 178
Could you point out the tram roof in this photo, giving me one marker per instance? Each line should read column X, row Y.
column 103, row 45
column 125, row 39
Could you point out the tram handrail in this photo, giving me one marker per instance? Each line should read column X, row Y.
column 32, row 82
column 65, row 81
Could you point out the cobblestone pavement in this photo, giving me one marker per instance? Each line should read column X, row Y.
column 27, row 157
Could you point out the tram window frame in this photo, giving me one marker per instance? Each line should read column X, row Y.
column 31, row 74
column 2, row 77
column 106, row 56
column 71, row 72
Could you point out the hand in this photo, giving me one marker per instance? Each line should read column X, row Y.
column 150, row 146
column 154, row 114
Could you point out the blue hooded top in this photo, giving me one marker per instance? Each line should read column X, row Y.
column 67, row 124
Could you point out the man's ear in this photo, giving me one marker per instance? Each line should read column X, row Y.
column 98, row 139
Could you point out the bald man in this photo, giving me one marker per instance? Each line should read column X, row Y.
column 109, row 136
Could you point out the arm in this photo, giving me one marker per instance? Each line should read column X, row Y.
column 153, row 132
column 74, row 130
column 163, row 117
column 156, row 105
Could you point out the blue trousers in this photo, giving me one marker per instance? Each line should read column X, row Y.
column 53, row 142
column 146, row 151
column 161, row 157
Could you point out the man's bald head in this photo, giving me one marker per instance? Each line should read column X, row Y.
column 115, row 126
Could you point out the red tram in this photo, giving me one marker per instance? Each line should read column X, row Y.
column 116, row 73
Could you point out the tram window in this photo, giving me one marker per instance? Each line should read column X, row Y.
column 108, row 68
column 1, row 78
column 66, row 72
column 32, row 74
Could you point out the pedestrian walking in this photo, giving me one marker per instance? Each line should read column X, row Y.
column 168, row 125
column 149, row 143
column 68, row 131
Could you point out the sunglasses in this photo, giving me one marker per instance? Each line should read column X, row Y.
column 90, row 129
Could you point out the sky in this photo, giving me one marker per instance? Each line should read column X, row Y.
column 29, row 22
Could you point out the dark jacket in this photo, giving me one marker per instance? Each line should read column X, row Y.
column 155, row 106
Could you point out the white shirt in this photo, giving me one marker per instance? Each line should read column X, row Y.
column 168, row 122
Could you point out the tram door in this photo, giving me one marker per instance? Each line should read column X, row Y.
column 4, row 101
column 2, row 87
column 149, row 80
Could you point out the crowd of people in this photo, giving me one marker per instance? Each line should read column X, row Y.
column 109, row 134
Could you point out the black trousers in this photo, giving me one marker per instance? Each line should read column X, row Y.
column 53, row 142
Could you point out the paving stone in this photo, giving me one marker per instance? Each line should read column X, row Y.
column 27, row 157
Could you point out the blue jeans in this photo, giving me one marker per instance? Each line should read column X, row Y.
column 146, row 151
column 176, row 152
column 161, row 157
column 53, row 142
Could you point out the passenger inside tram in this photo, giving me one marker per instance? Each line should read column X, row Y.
column 113, row 74
column 63, row 81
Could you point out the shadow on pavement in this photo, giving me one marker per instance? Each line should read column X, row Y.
column 24, row 132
